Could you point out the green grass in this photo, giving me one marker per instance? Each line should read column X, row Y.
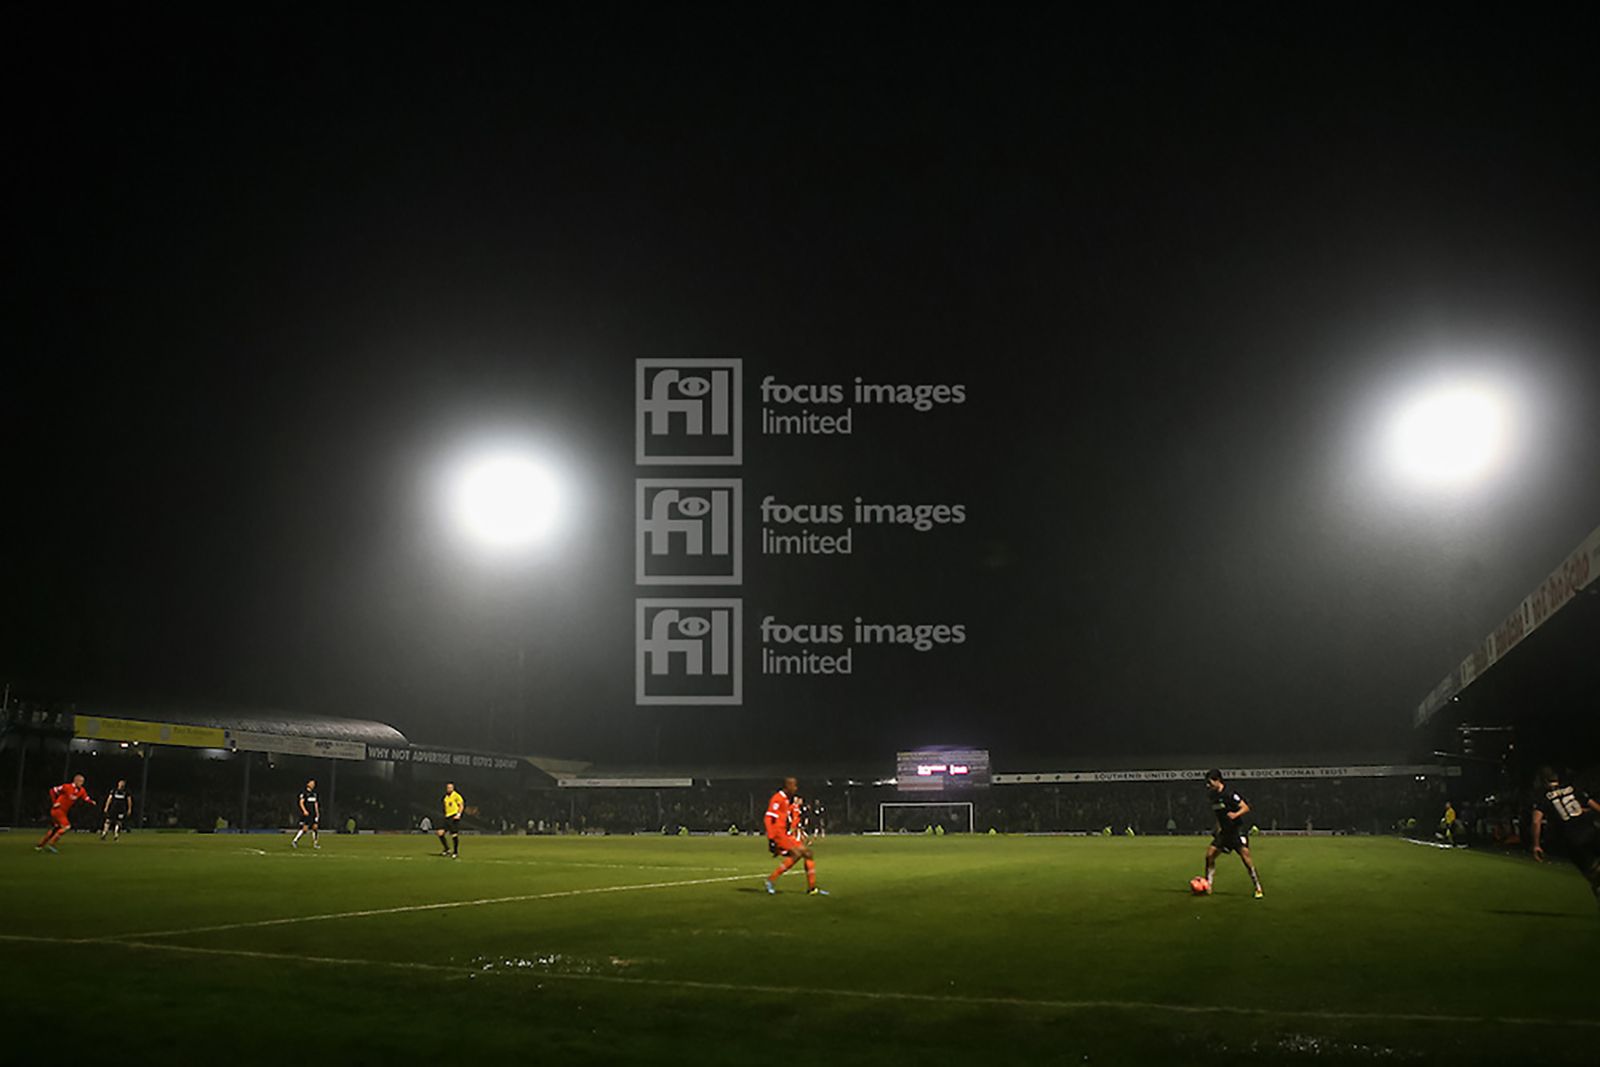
column 1025, row 950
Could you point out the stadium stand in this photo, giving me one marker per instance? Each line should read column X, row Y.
column 241, row 772
column 1522, row 697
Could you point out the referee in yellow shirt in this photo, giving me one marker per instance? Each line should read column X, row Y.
column 453, row 807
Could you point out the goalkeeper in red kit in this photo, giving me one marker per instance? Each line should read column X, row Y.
column 62, row 797
column 785, row 839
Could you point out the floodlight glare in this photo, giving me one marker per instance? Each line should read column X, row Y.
column 505, row 500
column 1450, row 436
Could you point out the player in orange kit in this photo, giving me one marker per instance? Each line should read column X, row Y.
column 784, row 838
column 62, row 797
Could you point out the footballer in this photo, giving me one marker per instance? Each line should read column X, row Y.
column 310, row 815
column 62, row 797
column 1578, row 816
column 785, row 839
column 1231, row 836
column 119, row 805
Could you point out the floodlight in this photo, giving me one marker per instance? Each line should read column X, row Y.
column 505, row 500
column 1450, row 436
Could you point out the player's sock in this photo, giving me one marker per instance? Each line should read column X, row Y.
column 811, row 873
column 1255, row 879
column 455, row 841
column 297, row 835
column 784, row 866
column 1211, row 872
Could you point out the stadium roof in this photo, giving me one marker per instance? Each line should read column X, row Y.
column 278, row 723
column 1577, row 572
column 723, row 772
column 557, row 768
column 1544, row 689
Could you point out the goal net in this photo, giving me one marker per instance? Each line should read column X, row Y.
column 918, row 817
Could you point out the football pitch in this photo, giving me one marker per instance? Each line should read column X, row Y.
column 374, row 950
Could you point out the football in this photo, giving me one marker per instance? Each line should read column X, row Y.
column 1197, row 886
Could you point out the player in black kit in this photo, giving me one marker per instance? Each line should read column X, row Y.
column 1231, row 835
column 310, row 814
column 119, row 805
column 1578, row 815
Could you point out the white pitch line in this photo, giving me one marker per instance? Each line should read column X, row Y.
column 442, row 905
column 477, row 861
column 600, row 866
column 1432, row 844
column 788, row 993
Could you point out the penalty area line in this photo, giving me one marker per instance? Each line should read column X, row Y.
column 439, row 906
column 788, row 993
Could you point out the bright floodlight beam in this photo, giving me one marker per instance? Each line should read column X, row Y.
column 505, row 500
column 1450, row 437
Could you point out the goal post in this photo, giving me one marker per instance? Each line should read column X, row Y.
column 906, row 816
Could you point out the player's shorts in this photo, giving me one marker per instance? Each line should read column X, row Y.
column 781, row 843
column 450, row 825
column 1230, row 840
column 307, row 820
column 60, row 818
column 1585, row 855
column 116, row 817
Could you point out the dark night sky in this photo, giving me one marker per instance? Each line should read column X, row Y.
column 273, row 267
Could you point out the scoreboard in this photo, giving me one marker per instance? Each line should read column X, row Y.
column 942, row 770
